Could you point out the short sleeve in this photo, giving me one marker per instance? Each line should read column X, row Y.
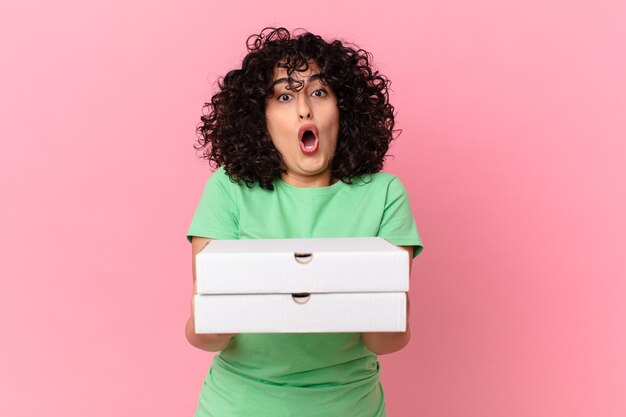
column 397, row 224
column 216, row 215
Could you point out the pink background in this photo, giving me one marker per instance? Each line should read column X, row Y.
column 513, row 145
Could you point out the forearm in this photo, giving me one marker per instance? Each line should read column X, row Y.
column 208, row 342
column 383, row 343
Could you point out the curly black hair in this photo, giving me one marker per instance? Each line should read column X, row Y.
column 234, row 132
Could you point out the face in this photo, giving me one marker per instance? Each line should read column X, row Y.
column 303, row 126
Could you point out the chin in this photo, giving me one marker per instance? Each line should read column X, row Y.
column 317, row 170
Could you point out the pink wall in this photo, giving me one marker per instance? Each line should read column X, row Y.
column 513, row 153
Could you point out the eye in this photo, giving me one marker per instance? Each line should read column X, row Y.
column 319, row 93
column 284, row 97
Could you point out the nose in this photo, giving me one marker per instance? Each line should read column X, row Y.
column 304, row 109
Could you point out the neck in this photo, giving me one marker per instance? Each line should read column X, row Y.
column 305, row 181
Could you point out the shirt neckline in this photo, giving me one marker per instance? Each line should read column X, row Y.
column 309, row 190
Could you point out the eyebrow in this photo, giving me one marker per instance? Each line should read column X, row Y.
column 310, row 79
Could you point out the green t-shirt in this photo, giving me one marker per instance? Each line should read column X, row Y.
column 308, row 374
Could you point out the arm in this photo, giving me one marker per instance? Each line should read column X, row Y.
column 382, row 343
column 208, row 342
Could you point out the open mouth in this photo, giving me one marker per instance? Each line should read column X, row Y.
column 309, row 142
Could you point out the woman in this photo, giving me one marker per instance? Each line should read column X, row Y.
column 299, row 135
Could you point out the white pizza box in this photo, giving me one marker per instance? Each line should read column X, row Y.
column 301, row 286
column 261, row 266
column 284, row 313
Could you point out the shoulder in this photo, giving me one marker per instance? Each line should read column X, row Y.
column 380, row 181
column 219, row 186
column 385, row 187
column 234, row 193
column 221, row 181
column 383, row 176
column 220, row 176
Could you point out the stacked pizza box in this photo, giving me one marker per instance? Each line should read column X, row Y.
column 301, row 286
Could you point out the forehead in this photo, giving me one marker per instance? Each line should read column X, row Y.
column 281, row 72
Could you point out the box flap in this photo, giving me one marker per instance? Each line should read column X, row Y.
column 279, row 313
column 316, row 265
